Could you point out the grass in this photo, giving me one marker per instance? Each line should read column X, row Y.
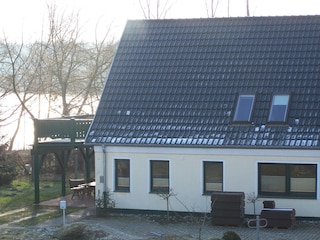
column 19, row 196
column 20, row 193
column 34, row 215
column 27, row 212
column 55, row 213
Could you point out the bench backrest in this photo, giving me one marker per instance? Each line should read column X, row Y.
column 76, row 182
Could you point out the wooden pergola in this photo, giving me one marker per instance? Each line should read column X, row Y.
column 59, row 136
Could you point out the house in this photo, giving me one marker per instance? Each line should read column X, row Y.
column 193, row 106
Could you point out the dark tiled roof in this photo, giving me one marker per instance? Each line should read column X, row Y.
column 176, row 82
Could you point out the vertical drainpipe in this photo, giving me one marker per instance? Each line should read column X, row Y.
column 104, row 175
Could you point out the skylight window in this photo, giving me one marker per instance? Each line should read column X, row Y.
column 279, row 108
column 244, row 108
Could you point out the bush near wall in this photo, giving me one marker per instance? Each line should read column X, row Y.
column 8, row 167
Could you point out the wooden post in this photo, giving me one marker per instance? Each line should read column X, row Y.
column 35, row 171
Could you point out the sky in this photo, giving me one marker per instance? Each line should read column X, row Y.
column 25, row 19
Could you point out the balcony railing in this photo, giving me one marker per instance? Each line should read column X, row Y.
column 69, row 130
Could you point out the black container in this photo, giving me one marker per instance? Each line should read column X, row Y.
column 269, row 204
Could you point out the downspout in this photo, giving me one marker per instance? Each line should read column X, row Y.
column 104, row 176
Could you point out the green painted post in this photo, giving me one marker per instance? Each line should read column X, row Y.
column 36, row 177
column 35, row 163
column 87, row 161
column 63, row 173
column 63, row 183
column 73, row 130
column 85, row 153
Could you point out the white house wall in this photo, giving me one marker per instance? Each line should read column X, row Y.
column 240, row 173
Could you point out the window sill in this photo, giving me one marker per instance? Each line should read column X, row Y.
column 289, row 197
column 122, row 191
column 210, row 193
column 159, row 192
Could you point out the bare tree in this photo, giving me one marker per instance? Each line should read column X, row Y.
column 74, row 65
column 63, row 54
column 60, row 68
column 99, row 56
column 211, row 7
column 16, row 66
column 155, row 9
column 4, row 84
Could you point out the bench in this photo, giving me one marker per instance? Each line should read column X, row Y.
column 227, row 208
column 75, row 186
column 279, row 217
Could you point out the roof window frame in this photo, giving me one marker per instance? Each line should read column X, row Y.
column 240, row 104
column 273, row 116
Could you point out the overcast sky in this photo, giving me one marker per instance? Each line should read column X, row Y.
column 26, row 17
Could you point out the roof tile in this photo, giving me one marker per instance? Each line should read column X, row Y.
column 176, row 82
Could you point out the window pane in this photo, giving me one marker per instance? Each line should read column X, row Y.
column 303, row 178
column 212, row 176
column 122, row 174
column 273, row 178
column 279, row 108
column 244, row 108
column 159, row 176
column 290, row 180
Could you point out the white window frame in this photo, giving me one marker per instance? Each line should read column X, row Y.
column 202, row 180
column 239, row 108
column 150, row 189
column 114, row 174
column 277, row 100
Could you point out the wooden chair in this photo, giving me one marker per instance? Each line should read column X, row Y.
column 77, row 187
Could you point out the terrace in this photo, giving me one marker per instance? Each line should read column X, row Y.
column 60, row 136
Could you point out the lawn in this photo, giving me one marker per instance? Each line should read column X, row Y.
column 19, row 196
column 20, row 193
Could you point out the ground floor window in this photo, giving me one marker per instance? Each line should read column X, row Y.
column 287, row 180
column 159, row 176
column 122, row 175
column 212, row 177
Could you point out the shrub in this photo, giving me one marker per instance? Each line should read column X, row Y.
column 230, row 235
column 104, row 203
column 74, row 231
column 8, row 170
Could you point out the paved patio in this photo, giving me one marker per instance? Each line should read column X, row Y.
column 86, row 202
column 136, row 226
column 302, row 230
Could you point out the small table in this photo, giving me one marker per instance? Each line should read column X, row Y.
column 89, row 188
column 78, row 190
